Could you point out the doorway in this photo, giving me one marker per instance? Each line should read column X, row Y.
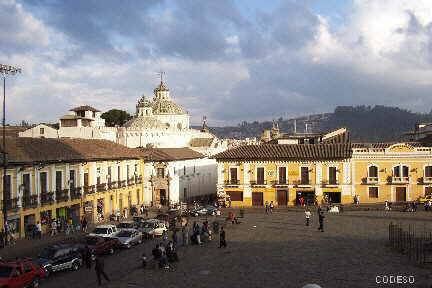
column 163, row 197
column 257, row 199
column 400, row 194
column 282, row 197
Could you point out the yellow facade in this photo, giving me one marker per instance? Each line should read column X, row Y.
column 351, row 180
column 71, row 191
column 247, row 184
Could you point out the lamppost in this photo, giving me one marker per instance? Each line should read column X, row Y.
column 4, row 71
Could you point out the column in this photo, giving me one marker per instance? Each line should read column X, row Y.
column 52, row 171
column 18, row 184
column 37, row 185
column 67, row 178
column 247, row 190
column 318, row 180
column 346, row 178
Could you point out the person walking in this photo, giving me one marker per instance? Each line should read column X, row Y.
column 308, row 215
column 100, row 270
column 271, row 206
column 266, row 207
column 222, row 239
column 53, row 227
column 185, row 234
column 38, row 230
column 88, row 258
column 174, row 236
column 321, row 221
column 84, row 224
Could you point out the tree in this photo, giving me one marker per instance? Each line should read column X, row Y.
column 115, row 117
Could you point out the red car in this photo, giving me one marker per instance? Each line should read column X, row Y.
column 101, row 245
column 20, row 273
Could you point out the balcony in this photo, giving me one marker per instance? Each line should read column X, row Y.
column 75, row 193
column 303, row 182
column 30, row 201
column 11, row 204
column 232, row 182
column 112, row 185
column 47, row 198
column 427, row 180
column 62, row 195
column 131, row 182
column 88, row 190
column 101, row 187
column 122, row 184
column 329, row 184
column 372, row 180
column 258, row 183
column 399, row 180
column 280, row 183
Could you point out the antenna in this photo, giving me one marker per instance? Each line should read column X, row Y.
column 161, row 74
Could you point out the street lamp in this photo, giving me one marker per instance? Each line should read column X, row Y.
column 5, row 70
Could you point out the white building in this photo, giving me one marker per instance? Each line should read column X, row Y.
column 40, row 131
column 173, row 175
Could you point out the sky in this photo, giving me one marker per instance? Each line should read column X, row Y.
column 230, row 60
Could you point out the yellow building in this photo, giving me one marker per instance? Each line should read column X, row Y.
column 395, row 172
column 340, row 172
column 68, row 178
column 254, row 174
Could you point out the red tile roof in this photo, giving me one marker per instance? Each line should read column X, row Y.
column 40, row 150
column 169, row 154
column 287, row 152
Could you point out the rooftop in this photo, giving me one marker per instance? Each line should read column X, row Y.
column 84, row 108
column 169, row 154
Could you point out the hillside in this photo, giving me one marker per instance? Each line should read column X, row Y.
column 365, row 123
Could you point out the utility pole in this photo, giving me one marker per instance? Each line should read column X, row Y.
column 4, row 71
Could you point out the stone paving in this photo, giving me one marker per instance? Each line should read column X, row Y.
column 274, row 251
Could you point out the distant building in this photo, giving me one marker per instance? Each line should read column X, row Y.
column 40, row 131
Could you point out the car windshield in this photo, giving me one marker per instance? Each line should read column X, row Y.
column 91, row 240
column 125, row 225
column 5, row 271
column 125, row 234
column 100, row 231
column 47, row 253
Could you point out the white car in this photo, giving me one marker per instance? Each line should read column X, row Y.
column 153, row 228
column 105, row 231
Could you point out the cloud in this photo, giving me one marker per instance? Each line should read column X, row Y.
column 221, row 61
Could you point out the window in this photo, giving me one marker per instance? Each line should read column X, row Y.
column 59, row 178
column 160, row 172
column 184, row 170
column 373, row 192
column 127, row 172
column 184, row 194
column 118, row 173
column 42, row 131
column 233, row 175
column 86, row 179
column 71, row 179
column 332, row 175
column 109, row 175
column 304, row 174
column 8, row 186
column 428, row 190
column 373, row 171
column 43, row 182
column 26, row 185
column 260, row 175
column 235, row 195
column 428, row 171
column 282, row 175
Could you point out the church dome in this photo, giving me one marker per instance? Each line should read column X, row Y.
column 162, row 106
column 145, row 122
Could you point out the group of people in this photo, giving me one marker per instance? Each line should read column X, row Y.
column 269, row 207
column 163, row 255
column 321, row 217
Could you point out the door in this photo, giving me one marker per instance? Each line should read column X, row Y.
column 282, row 197
column 257, row 199
column 162, row 196
column 400, row 194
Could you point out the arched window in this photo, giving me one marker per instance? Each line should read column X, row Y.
column 400, row 173
column 428, row 173
column 372, row 173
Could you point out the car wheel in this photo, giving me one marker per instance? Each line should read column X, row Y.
column 35, row 282
column 75, row 266
column 111, row 251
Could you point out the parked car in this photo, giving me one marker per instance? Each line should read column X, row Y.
column 153, row 228
column 101, row 245
column 60, row 257
column 20, row 273
column 126, row 225
column 204, row 210
column 105, row 231
column 129, row 237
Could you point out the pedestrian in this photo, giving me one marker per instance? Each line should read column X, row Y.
column 222, row 239
column 308, row 215
column 174, row 236
column 53, row 227
column 100, row 270
column 271, row 207
column 84, row 224
column 2, row 238
column 88, row 258
column 185, row 235
column 157, row 254
column 38, row 230
column 321, row 221
column 266, row 207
